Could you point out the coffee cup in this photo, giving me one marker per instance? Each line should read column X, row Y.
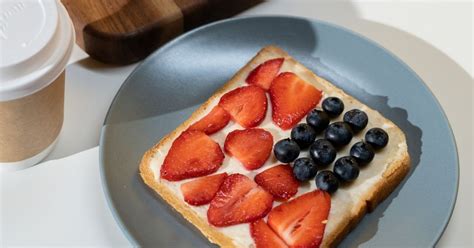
column 36, row 41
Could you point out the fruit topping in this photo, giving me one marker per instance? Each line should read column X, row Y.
column 333, row 106
column 286, row 150
column 327, row 181
column 338, row 133
column 304, row 169
column 264, row 74
column 357, row 119
column 246, row 105
column 217, row 119
column 322, row 152
column 362, row 152
column 377, row 138
column 278, row 181
column 192, row 154
column 251, row 147
column 318, row 120
column 200, row 191
column 291, row 99
column 301, row 222
column 346, row 169
column 303, row 135
column 264, row 236
column 238, row 200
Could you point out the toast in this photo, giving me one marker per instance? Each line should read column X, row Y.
column 348, row 205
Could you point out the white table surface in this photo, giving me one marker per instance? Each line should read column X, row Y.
column 62, row 202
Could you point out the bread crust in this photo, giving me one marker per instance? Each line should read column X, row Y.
column 391, row 177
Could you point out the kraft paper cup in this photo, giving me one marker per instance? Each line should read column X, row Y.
column 36, row 40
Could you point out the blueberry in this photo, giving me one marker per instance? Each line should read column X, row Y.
column 327, row 181
column 338, row 133
column 304, row 169
column 346, row 168
column 322, row 152
column 357, row 119
column 303, row 135
column 362, row 152
column 318, row 120
column 333, row 106
column 376, row 137
column 286, row 150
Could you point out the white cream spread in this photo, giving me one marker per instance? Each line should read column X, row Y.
column 342, row 202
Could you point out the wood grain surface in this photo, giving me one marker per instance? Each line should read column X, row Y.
column 125, row 31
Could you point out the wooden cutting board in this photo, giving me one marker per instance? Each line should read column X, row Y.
column 125, row 31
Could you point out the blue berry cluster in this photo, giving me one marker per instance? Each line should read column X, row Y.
column 323, row 151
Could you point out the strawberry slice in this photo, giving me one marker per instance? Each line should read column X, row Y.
column 201, row 191
column 246, row 105
column 292, row 98
column 238, row 200
column 264, row 236
column 278, row 181
column 301, row 221
column 217, row 119
column 251, row 147
column 264, row 73
column 192, row 154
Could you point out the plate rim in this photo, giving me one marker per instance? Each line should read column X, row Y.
column 182, row 36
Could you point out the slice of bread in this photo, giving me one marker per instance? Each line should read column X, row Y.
column 348, row 205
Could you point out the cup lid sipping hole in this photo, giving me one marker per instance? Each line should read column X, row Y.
column 26, row 27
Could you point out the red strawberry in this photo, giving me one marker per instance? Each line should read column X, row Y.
column 264, row 74
column 239, row 200
column 251, row 147
column 212, row 122
column 292, row 98
column 246, row 105
column 264, row 236
column 201, row 191
column 278, row 181
column 301, row 221
column 192, row 154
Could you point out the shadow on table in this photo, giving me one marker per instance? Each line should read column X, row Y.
column 89, row 90
column 430, row 63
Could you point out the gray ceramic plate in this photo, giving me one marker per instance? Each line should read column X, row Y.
column 173, row 81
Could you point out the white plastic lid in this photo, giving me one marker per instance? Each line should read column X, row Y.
column 36, row 40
